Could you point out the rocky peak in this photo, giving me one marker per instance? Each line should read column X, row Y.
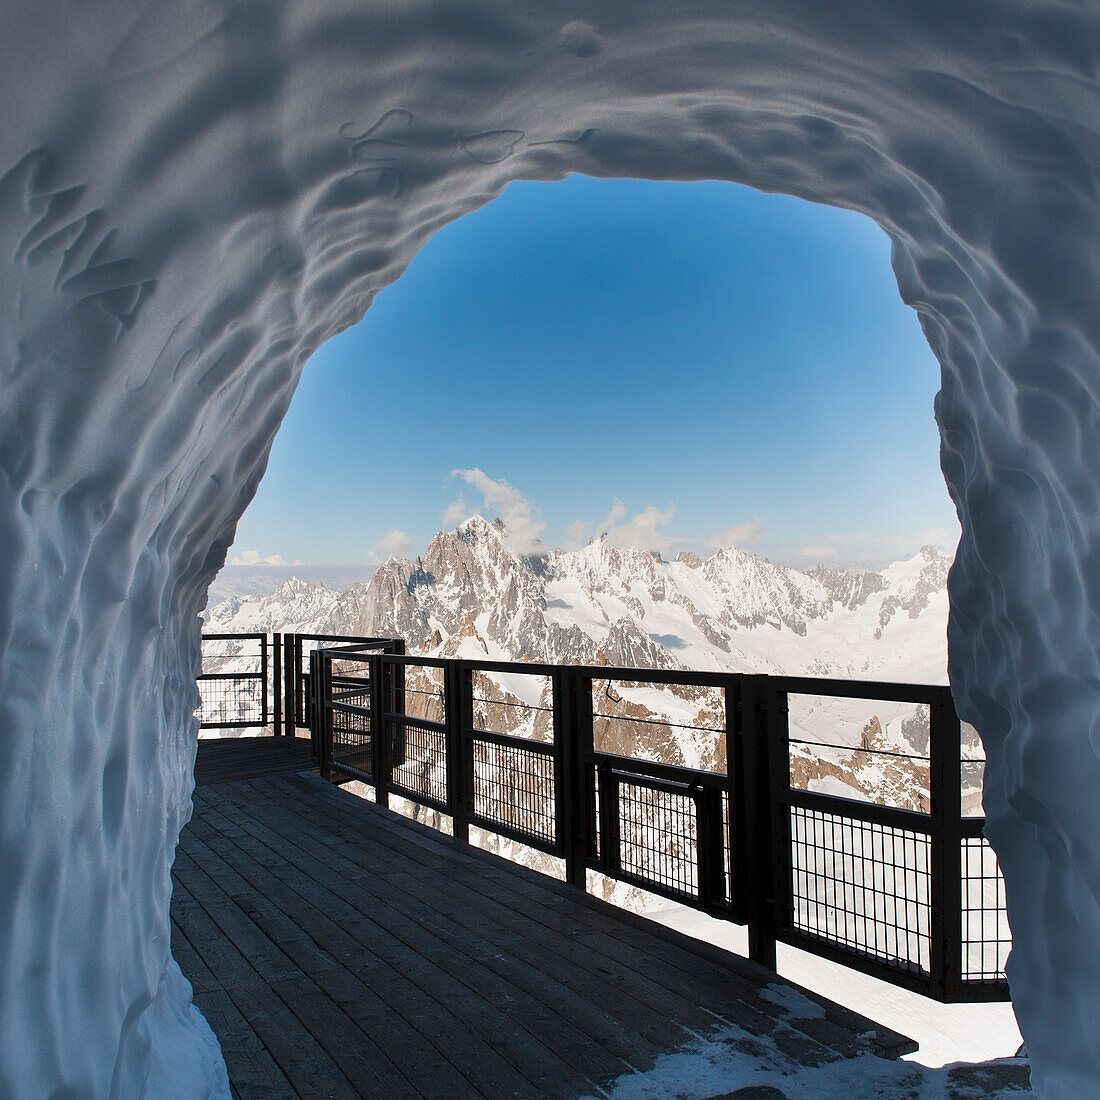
column 628, row 646
column 621, row 605
column 849, row 588
column 758, row 593
column 294, row 605
column 476, row 529
column 911, row 585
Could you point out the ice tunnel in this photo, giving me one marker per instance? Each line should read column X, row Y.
column 194, row 196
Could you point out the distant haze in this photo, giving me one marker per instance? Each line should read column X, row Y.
column 247, row 580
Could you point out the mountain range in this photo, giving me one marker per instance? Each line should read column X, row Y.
column 470, row 594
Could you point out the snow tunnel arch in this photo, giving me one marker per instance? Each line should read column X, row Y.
column 192, row 200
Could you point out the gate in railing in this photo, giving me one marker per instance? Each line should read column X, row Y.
column 233, row 684
column 555, row 757
column 298, row 696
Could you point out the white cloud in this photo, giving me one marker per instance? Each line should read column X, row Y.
column 901, row 545
column 939, row 536
column 618, row 510
column 578, row 533
column 521, row 528
column 456, row 512
column 253, row 557
column 391, row 544
column 866, row 551
column 643, row 530
column 740, row 534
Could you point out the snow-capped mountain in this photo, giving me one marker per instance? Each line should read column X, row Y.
column 295, row 606
column 628, row 607
column 469, row 595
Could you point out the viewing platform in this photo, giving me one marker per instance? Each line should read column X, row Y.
column 340, row 950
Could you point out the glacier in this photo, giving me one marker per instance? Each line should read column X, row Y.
column 193, row 197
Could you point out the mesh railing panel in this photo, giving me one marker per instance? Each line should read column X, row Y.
column 423, row 695
column 423, row 774
column 352, row 747
column 861, row 886
column 236, row 701
column 514, row 786
column 658, row 837
column 986, row 938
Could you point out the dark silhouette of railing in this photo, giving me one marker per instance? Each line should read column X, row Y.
column 907, row 895
column 260, row 680
column 555, row 757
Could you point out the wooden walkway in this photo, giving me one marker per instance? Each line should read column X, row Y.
column 339, row 950
column 222, row 759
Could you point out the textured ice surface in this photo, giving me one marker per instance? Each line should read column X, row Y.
column 193, row 196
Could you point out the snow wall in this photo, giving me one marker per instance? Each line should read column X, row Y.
column 194, row 196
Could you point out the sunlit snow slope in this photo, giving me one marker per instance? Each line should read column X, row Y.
column 194, row 196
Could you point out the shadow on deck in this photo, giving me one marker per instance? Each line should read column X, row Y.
column 339, row 950
column 222, row 759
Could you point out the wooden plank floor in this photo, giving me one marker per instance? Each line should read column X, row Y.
column 221, row 759
column 339, row 950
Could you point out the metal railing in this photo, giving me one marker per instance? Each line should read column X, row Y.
column 262, row 679
column 233, row 684
column 575, row 762
column 554, row 757
column 294, row 651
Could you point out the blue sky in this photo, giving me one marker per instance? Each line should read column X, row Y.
column 684, row 364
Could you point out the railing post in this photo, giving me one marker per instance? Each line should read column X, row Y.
column 458, row 713
column 708, row 826
column 276, row 686
column 758, row 813
column 586, row 746
column 320, row 724
column 778, row 744
column 380, row 702
column 396, row 734
column 945, row 782
column 735, row 778
column 610, row 835
column 572, row 800
column 290, row 680
column 265, row 670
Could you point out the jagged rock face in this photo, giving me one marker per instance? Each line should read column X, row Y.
column 628, row 646
column 194, row 197
column 387, row 605
column 850, row 589
column 296, row 605
column 912, row 593
column 754, row 595
column 469, row 583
